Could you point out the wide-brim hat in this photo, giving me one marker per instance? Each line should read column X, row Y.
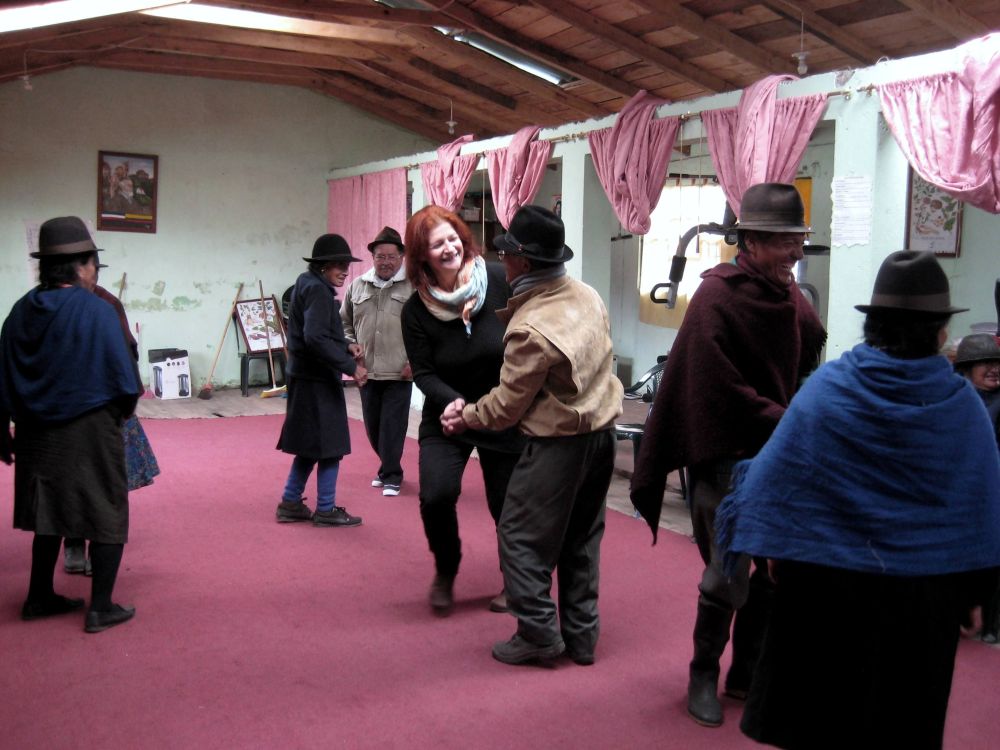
column 388, row 236
column 331, row 248
column 977, row 347
column 772, row 207
column 64, row 235
column 911, row 281
column 535, row 233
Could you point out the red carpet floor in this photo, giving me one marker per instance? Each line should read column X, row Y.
column 251, row 634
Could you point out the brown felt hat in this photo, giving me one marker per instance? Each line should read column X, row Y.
column 772, row 207
column 912, row 281
column 388, row 236
column 64, row 235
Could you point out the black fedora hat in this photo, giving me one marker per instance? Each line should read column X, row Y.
column 330, row 248
column 977, row 347
column 64, row 235
column 911, row 281
column 772, row 207
column 535, row 233
column 388, row 236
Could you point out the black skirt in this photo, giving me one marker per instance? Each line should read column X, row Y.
column 315, row 420
column 857, row 660
column 70, row 479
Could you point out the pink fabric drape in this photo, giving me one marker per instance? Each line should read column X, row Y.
column 446, row 179
column 358, row 207
column 516, row 171
column 948, row 125
column 761, row 140
column 631, row 159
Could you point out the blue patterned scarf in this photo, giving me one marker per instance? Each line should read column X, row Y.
column 879, row 465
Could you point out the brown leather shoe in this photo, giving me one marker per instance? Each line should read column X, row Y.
column 441, row 598
column 499, row 602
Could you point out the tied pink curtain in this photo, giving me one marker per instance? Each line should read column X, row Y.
column 762, row 139
column 358, row 208
column 446, row 179
column 631, row 159
column 948, row 125
column 516, row 171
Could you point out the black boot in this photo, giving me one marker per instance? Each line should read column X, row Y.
column 748, row 634
column 711, row 633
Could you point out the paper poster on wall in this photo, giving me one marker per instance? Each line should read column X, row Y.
column 852, row 211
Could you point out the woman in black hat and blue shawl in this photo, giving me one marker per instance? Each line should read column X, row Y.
column 315, row 430
column 68, row 380
column 882, row 528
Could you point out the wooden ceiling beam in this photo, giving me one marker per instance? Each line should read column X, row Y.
column 199, row 48
column 676, row 14
column 267, row 39
column 381, row 14
column 948, row 16
column 492, row 66
column 643, row 50
column 535, row 49
column 830, row 33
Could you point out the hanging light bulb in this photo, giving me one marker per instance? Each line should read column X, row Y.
column 26, row 79
column 802, row 54
column 451, row 121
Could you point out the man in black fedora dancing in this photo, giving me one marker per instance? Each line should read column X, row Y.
column 556, row 384
column 748, row 339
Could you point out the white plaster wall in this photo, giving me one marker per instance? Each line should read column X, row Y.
column 242, row 189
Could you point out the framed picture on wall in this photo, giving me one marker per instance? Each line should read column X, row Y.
column 261, row 328
column 933, row 218
column 126, row 192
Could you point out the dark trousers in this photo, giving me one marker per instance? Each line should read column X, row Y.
column 553, row 518
column 385, row 406
column 749, row 596
column 442, row 463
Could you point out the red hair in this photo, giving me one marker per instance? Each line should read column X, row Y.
column 418, row 230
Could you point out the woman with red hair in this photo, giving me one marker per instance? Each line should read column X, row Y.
column 454, row 341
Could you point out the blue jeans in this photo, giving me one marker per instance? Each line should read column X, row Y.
column 326, row 481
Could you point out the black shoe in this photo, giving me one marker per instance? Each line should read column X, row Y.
column 441, row 597
column 57, row 605
column 293, row 511
column 336, row 517
column 75, row 560
column 583, row 658
column 737, row 693
column 703, row 701
column 98, row 621
column 499, row 602
column 520, row 651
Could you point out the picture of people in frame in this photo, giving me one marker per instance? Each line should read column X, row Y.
column 126, row 198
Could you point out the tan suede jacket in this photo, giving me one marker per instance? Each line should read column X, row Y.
column 371, row 318
column 556, row 377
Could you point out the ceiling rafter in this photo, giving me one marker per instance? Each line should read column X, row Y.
column 829, row 32
column 673, row 12
column 623, row 40
column 488, row 64
column 541, row 52
column 375, row 13
column 948, row 16
column 245, row 53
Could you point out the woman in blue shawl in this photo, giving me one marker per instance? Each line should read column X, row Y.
column 67, row 380
column 882, row 527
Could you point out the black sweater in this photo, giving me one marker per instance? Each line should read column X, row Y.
column 448, row 363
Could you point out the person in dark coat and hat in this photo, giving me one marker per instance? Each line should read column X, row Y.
column 68, row 380
column 881, row 525
column 315, row 430
column 748, row 339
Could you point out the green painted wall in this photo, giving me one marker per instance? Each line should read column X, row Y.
column 242, row 190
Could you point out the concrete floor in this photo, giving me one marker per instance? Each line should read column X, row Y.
column 229, row 402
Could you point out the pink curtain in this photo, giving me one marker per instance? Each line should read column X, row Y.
column 631, row 159
column 358, row 207
column 948, row 125
column 446, row 179
column 761, row 140
column 516, row 171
